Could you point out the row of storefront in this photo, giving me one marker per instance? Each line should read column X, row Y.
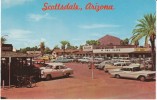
column 110, row 46
column 119, row 52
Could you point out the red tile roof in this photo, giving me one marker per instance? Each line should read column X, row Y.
column 109, row 40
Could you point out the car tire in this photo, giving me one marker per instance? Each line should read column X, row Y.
column 105, row 70
column 117, row 76
column 142, row 78
column 48, row 77
column 29, row 84
column 67, row 75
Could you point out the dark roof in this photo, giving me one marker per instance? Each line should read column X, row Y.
column 14, row 54
column 109, row 40
column 7, row 45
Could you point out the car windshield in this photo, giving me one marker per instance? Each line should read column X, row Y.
column 49, row 66
column 136, row 69
column 63, row 67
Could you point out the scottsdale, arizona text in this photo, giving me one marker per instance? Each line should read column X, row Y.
column 75, row 6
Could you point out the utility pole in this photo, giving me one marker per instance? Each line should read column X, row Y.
column 92, row 64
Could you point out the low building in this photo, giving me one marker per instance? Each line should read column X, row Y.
column 12, row 64
column 110, row 46
column 67, row 52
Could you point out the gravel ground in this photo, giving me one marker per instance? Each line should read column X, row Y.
column 81, row 86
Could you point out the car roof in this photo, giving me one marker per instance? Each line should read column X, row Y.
column 119, row 63
column 55, row 64
column 124, row 60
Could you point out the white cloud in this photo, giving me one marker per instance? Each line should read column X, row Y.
column 96, row 34
column 21, row 38
column 18, row 33
column 94, row 26
column 38, row 17
column 10, row 3
column 76, row 39
column 36, row 42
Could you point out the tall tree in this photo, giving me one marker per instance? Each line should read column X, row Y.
column 63, row 46
column 92, row 42
column 56, row 47
column 42, row 48
column 146, row 28
column 69, row 46
column 136, row 43
column 3, row 40
column 47, row 50
column 124, row 42
column 81, row 47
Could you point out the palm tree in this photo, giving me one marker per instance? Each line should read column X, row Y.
column 64, row 43
column 42, row 48
column 146, row 28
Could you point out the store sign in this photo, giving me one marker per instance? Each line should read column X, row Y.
column 88, row 48
column 142, row 49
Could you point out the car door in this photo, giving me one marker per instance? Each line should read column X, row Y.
column 56, row 72
column 62, row 70
column 125, row 73
column 134, row 72
column 129, row 73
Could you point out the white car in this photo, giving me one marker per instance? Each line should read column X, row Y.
column 102, row 65
column 84, row 60
column 134, row 72
column 117, row 65
column 53, row 70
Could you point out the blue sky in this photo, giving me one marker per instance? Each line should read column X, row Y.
column 27, row 25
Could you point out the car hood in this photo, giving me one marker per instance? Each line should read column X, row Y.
column 145, row 72
column 68, row 69
column 42, row 68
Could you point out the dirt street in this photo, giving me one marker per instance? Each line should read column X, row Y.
column 81, row 86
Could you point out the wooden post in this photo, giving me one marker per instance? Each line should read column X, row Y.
column 3, row 84
column 9, row 70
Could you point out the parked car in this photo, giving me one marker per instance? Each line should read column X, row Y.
column 126, row 61
column 118, row 69
column 62, row 60
column 84, row 60
column 54, row 70
column 101, row 66
column 116, row 65
column 99, row 59
column 133, row 72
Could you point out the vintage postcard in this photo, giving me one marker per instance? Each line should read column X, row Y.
column 78, row 49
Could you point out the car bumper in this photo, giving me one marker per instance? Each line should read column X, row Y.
column 150, row 77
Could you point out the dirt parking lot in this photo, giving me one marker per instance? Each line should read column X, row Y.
column 81, row 86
